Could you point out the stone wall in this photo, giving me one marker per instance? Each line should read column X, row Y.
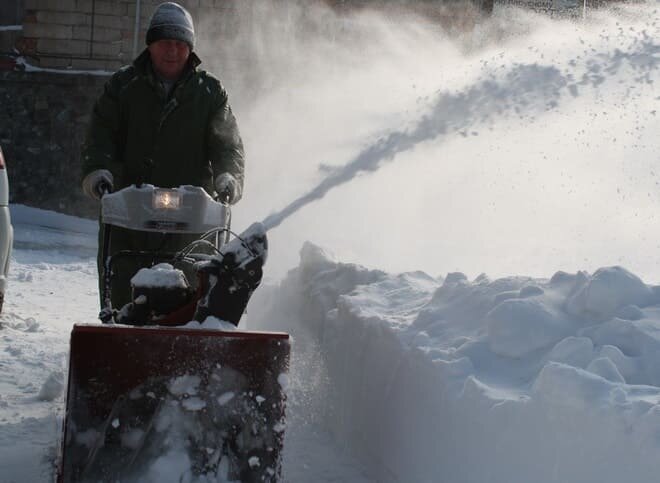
column 42, row 124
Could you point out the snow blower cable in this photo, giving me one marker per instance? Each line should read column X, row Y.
column 202, row 241
column 220, row 230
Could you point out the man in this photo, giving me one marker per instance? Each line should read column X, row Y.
column 164, row 122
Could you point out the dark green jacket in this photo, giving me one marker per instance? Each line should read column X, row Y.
column 142, row 136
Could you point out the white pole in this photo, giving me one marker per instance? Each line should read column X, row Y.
column 136, row 29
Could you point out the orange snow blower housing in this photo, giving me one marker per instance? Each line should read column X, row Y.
column 167, row 389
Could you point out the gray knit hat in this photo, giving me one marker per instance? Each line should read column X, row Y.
column 171, row 21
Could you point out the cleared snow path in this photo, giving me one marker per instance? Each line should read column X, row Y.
column 52, row 286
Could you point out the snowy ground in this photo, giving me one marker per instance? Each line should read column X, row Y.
column 52, row 286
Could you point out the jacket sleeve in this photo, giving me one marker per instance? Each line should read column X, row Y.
column 224, row 142
column 100, row 149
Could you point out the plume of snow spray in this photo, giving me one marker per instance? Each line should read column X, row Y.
column 525, row 90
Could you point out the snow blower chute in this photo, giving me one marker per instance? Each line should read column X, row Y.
column 167, row 389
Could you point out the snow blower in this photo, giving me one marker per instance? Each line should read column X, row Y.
column 167, row 389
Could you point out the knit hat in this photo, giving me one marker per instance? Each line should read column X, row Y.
column 171, row 21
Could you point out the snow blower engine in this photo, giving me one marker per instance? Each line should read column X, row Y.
column 167, row 388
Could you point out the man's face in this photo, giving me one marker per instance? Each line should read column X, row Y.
column 169, row 57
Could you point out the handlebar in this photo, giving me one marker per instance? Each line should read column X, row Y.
column 104, row 189
column 224, row 197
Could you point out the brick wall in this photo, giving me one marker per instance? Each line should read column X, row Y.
column 79, row 34
column 95, row 34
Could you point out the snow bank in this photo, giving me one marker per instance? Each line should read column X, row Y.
column 534, row 379
column 46, row 230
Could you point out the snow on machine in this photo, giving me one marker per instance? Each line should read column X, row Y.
column 167, row 389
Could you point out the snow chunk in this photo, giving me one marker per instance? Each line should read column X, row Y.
column 518, row 327
column 182, row 385
column 455, row 277
column 32, row 325
column 52, row 388
column 627, row 366
column 530, row 291
column 218, row 324
column 561, row 277
column 132, row 438
column 172, row 466
column 87, row 438
column 606, row 291
column 508, row 295
column 211, row 323
column 606, row 369
column 283, row 380
column 193, row 404
column 630, row 312
column 569, row 386
column 314, row 258
column 162, row 275
column 225, row 398
column 574, row 351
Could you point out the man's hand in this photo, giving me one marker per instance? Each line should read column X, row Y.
column 97, row 183
column 227, row 187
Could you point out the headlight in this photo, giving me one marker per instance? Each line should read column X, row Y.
column 165, row 199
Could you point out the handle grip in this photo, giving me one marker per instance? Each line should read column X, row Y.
column 103, row 189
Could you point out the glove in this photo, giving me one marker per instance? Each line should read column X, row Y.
column 97, row 183
column 228, row 188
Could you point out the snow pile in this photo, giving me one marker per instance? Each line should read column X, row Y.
column 211, row 323
column 45, row 230
column 52, row 387
column 535, row 379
